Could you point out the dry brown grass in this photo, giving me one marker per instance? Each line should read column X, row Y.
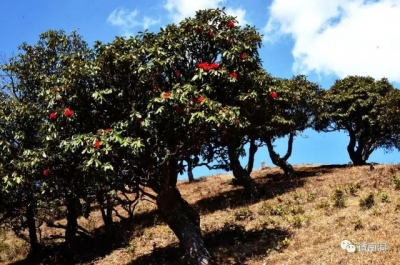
column 296, row 222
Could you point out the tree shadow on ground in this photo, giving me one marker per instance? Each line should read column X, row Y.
column 270, row 185
column 229, row 245
column 86, row 250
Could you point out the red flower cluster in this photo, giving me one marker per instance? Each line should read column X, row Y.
column 230, row 24
column 53, row 115
column 68, row 112
column 46, row 172
column 155, row 89
column 199, row 29
column 243, row 56
column 207, row 67
column 274, row 95
column 177, row 73
column 200, row 98
column 107, row 130
column 97, row 144
column 211, row 34
column 165, row 95
column 233, row 75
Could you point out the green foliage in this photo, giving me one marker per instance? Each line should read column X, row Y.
column 93, row 122
column 396, row 182
column 383, row 197
column 367, row 202
column 353, row 188
column 311, row 196
column 359, row 105
column 358, row 225
column 339, row 198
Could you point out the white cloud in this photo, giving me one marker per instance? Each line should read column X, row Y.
column 239, row 13
column 180, row 9
column 127, row 20
column 340, row 37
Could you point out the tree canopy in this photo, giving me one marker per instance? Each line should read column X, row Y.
column 360, row 106
column 95, row 124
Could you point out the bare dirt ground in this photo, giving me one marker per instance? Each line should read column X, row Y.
column 300, row 221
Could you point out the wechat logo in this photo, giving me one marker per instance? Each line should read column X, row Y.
column 348, row 246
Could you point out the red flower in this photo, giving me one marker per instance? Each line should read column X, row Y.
column 211, row 34
column 68, row 112
column 155, row 89
column 230, row 24
column 107, row 130
column 274, row 95
column 97, row 144
column 199, row 29
column 46, row 172
column 200, row 98
column 243, row 56
column 202, row 65
column 53, row 115
column 206, row 66
column 165, row 95
column 233, row 75
column 177, row 73
column 214, row 66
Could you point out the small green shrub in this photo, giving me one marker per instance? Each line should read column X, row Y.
column 383, row 197
column 367, row 202
column 339, row 198
column 323, row 204
column 311, row 196
column 277, row 210
column 396, row 182
column 353, row 188
column 358, row 225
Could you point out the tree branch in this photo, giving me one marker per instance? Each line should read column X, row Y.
column 290, row 147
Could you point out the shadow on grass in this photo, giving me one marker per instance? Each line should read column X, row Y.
column 230, row 245
column 86, row 250
column 269, row 186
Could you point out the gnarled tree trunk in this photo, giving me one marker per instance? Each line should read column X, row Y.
column 30, row 217
column 106, row 209
column 242, row 175
column 180, row 216
column 190, row 170
column 282, row 161
column 72, row 223
column 359, row 155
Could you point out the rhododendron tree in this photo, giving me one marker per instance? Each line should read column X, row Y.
column 288, row 115
column 357, row 105
column 123, row 116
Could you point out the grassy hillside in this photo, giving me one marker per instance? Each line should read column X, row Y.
column 299, row 221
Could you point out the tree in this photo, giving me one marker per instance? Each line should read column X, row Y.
column 123, row 116
column 19, row 173
column 295, row 103
column 357, row 105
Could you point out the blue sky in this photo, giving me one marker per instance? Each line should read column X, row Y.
column 325, row 40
